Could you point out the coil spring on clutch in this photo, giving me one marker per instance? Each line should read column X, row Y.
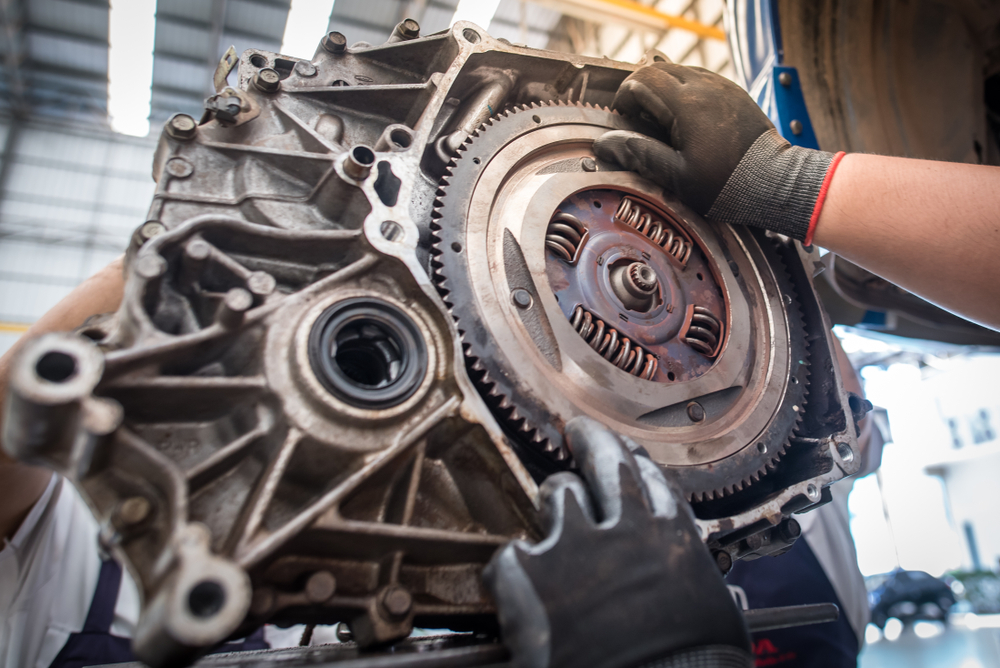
column 614, row 347
column 704, row 331
column 565, row 235
column 659, row 232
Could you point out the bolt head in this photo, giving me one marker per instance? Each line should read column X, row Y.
column 181, row 126
column 334, row 42
column 521, row 297
column 724, row 561
column 696, row 411
column 410, row 28
column 179, row 168
column 305, row 68
column 320, row 586
column 134, row 510
column 796, row 126
column 785, row 79
column 397, row 601
column 151, row 229
column 344, row 633
column 267, row 80
column 588, row 164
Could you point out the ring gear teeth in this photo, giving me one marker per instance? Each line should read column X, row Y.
column 518, row 421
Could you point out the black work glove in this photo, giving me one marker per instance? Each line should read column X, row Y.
column 722, row 155
column 622, row 578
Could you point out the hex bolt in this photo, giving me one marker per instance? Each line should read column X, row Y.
column 789, row 530
column 344, row 633
column 236, row 303
column 588, row 164
column 267, row 80
column 320, row 586
column 796, row 127
column 334, row 42
column 396, row 601
column 785, row 79
column 521, row 297
column 134, row 510
column 181, row 126
column 405, row 30
column 695, row 411
column 305, row 68
column 724, row 561
column 754, row 542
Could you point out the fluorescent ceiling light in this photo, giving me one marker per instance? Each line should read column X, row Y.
column 131, row 26
column 479, row 12
column 307, row 22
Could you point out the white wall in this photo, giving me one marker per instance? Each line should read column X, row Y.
column 69, row 203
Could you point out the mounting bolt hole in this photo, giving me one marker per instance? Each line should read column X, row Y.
column 471, row 36
column 401, row 138
column 845, row 452
column 812, row 492
column 671, row 375
column 258, row 60
column 476, row 161
column 457, row 247
column 536, row 119
column 206, row 599
column 56, row 367
column 597, row 204
column 363, row 155
column 700, row 276
column 659, row 59
column 761, row 448
column 391, row 230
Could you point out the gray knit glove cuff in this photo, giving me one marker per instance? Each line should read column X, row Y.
column 774, row 187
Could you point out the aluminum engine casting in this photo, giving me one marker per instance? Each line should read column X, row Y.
column 370, row 290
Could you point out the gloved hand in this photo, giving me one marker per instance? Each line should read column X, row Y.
column 723, row 157
column 622, row 578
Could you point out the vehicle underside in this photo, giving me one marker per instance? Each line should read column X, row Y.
column 371, row 290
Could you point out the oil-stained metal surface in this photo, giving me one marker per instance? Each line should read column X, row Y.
column 279, row 423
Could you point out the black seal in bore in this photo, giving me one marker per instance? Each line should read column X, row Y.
column 368, row 353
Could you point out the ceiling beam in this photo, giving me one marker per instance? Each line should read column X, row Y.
column 634, row 15
column 12, row 15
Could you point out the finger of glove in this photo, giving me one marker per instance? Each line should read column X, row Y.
column 521, row 613
column 564, row 502
column 611, row 472
column 650, row 91
column 636, row 152
column 662, row 498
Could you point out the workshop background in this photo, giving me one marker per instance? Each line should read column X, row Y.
column 86, row 86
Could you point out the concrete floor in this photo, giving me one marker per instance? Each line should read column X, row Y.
column 970, row 641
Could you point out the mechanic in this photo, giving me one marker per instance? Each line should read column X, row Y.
column 598, row 590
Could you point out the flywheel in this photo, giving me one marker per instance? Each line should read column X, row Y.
column 580, row 288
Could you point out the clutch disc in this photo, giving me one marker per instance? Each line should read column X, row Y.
column 582, row 289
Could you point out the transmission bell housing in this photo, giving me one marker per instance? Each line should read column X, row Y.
column 371, row 290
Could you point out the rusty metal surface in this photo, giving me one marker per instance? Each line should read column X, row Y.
column 279, row 424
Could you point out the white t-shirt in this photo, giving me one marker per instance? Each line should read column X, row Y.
column 48, row 575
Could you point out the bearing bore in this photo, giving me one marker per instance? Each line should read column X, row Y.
column 368, row 353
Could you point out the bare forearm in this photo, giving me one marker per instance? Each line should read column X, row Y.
column 932, row 228
column 21, row 485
